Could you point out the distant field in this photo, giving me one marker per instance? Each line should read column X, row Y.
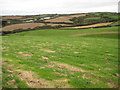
column 114, row 16
column 116, row 23
column 54, row 59
column 61, row 21
column 94, row 18
column 27, row 26
column 88, row 26
column 33, row 25
column 12, row 17
column 64, row 18
column 21, row 26
column 59, row 24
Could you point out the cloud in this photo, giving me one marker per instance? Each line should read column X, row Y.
column 21, row 7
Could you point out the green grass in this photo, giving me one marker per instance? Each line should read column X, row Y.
column 112, row 36
column 116, row 23
column 94, row 18
column 114, row 16
column 96, row 54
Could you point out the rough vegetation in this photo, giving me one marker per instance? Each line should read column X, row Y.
column 56, row 59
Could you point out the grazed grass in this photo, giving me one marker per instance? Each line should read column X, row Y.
column 62, row 61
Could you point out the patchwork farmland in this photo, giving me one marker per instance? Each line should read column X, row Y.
column 80, row 51
column 21, row 26
column 65, row 19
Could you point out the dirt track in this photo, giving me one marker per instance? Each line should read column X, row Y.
column 77, row 35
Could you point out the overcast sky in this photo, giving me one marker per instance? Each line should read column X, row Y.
column 32, row 7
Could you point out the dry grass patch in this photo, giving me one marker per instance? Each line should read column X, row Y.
column 59, row 24
column 113, row 85
column 34, row 46
column 33, row 81
column 60, row 74
column 23, row 54
column 63, row 82
column 11, row 82
column 87, row 76
column 11, row 70
column 50, row 66
column 45, row 50
column 21, row 26
column 89, row 26
column 64, row 18
column 43, row 57
column 42, row 67
column 68, row 67
column 4, row 49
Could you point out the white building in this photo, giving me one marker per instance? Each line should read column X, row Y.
column 47, row 17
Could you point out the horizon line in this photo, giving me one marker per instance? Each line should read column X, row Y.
column 51, row 13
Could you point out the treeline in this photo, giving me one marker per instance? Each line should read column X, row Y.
column 10, row 22
column 29, row 29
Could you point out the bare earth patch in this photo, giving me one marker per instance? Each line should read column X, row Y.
column 43, row 57
column 42, row 67
column 50, row 66
column 22, row 54
column 112, row 85
column 62, row 80
column 87, row 76
column 60, row 74
column 33, row 81
column 11, row 70
column 11, row 82
column 66, row 66
column 45, row 50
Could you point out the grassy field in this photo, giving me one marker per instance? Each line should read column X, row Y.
column 54, row 59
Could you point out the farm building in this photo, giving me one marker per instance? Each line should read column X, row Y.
column 45, row 18
column 28, row 19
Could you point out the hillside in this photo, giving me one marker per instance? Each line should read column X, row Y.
column 54, row 58
column 64, row 19
column 60, row 51
column 56, row 21
column 22, row 26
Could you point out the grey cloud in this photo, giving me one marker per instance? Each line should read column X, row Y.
column 56, row 6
